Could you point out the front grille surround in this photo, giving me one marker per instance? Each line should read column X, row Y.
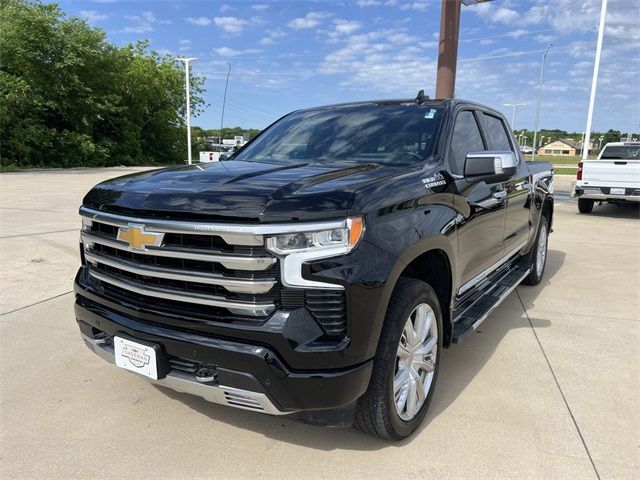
column 213, row 272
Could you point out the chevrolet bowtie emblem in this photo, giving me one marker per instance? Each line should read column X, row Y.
column 137, row 238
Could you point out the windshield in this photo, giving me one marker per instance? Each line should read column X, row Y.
column 621, row 151
column 384, row 134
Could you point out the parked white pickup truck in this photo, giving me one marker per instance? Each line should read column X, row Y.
column 614, row 177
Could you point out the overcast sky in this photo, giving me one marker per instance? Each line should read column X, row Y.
column 287, row 55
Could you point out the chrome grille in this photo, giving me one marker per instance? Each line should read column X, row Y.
column 221, row 266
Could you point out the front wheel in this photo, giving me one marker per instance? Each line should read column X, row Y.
column 405, row 367
column 585, row 205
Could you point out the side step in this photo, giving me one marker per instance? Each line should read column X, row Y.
column 473, row 316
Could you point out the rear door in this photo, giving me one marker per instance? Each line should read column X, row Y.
column 481, row 234
column 518, row 188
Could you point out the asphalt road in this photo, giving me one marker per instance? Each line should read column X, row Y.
column 549, row 387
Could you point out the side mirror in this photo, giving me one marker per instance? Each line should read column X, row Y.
column 490, row 166
column 224, row 156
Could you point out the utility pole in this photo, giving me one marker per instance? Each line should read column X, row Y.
column 448, row 46
column 513, row 115
column 224, row 101
column 594, row 80
column 186, row 83
column 535, row 132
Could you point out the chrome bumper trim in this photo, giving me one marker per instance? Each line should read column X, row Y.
column 187, row 383
column 238, row 308
column 231, row 285
column 228, row 261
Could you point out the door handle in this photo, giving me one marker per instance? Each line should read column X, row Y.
column 500, row 195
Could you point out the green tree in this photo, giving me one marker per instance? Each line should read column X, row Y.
column 70, row 98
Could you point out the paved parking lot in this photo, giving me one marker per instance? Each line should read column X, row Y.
column 549, row 387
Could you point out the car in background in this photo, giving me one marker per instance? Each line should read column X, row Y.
column 526, row 150
column 614, row 177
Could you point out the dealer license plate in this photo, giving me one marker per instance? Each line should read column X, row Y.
column 136, row 357
column 617, row 191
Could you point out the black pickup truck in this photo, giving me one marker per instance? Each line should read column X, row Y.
column 319, row 272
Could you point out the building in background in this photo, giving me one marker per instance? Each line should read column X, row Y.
column 563, row 147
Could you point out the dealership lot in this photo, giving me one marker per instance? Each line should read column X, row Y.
column 548, row 387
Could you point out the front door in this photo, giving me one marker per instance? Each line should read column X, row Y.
column 517, row 189
column 481, row 229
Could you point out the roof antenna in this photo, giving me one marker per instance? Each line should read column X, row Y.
column 421, row 98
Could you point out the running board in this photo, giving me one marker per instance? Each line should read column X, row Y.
column 473, row 316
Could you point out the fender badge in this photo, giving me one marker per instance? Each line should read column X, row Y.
column 435, row 181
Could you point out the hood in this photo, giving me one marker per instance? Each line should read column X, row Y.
column 240, row 191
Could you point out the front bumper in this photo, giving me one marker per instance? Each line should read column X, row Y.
column 248, row 376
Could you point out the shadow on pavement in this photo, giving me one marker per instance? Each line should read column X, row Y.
column 459, row 365
column 611, row 210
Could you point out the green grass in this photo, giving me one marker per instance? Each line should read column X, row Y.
column 565, row 171
column 9, row 168
column 558, row 160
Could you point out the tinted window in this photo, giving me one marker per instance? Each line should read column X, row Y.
column 466, row 138
column 497, row 136
column 621, row 151
column 386, row 134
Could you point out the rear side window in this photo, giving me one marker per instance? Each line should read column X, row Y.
column 497, row 136
column 466, row 138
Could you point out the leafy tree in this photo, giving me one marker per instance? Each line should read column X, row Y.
column 70, row 98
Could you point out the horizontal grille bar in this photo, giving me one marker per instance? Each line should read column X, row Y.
column 238, row 308
column 231, row 285
column 233, row 234
column 228, row 261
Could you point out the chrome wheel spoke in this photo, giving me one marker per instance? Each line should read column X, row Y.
column 401, row 379
column 427, row 347
column 409, row 333
column 420, row 323
column 420, row 391
column 426, row 365
column 412, row 398
column 404, row 352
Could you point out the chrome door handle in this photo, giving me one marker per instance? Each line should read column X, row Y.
column 500, row 194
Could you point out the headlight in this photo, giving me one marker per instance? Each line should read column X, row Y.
column 343, row 239
column 304, row 246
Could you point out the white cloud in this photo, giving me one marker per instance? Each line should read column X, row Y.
column 310, row 20
column 346, row 27
column 272, row 36
column 185, row 45
column 230, row 24
column 259, row 7
column 232, row 52
column 144, row 22
column 202, row 21
column 225, row 8
column 421, row 6
column 93, row 16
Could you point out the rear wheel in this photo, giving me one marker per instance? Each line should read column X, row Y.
column 405, row 367
column 585, row 205
column 539, row 255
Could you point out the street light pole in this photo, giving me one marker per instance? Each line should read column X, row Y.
column 594, row 80
column 513, row 116
column 535, row 132
column 186, row 83
column 224, row 101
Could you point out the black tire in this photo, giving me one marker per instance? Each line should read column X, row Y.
column 536, row 274
column 376, row 412
column 585, row 205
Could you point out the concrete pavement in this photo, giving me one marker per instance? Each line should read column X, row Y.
column 549, row 386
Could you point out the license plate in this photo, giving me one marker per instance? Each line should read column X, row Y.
column 136, row 357
column 617, row 191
